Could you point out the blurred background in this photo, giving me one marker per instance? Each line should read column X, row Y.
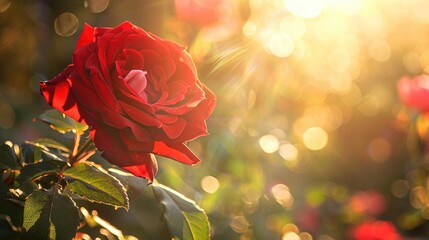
column 308, row 140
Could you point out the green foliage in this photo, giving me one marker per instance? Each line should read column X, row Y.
column 8, row 158
column 41, row 178
column 61, row 123
column 32, row 153
column 134, row 185
column 48, row 143
column 96, row 185
column 33, row 171
column 50, row 215
column 185, row 219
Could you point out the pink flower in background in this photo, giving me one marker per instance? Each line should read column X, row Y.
column 375, row 230
column 139, row 93
column 198, row 12
column 414, row 92
column 370, row 202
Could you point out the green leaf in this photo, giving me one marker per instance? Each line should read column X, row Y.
column 134, row 185
column 185, row 219
column 50, row 215
column 36, row 170
column 8, row 158
column 48, row 143
column 61, row 123
column 96, row 185
column 32, row 153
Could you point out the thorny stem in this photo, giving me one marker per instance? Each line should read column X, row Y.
column 83, row 153
column 76, row 144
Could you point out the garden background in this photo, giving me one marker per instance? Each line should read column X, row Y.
column 309, row 139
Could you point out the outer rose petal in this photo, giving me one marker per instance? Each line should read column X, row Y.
column 196, row 124
column 58, row 94
column 141, row 164
column 144, row 170
column 177, row 151
column 86, row 37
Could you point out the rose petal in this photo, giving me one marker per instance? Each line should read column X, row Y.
column 85, row 61
column 177, row 151
column 147, row 171
column 196, row 124
column 192, row 100
column 86, row 37
column 175, row 129
column 139, row 134
column 136, row 79
column 139, row 116
column 58, row 94
column 115, row 151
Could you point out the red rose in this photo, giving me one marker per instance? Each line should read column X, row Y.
column 139, row 93
column 414, row 92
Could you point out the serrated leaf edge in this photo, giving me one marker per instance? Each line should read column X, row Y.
column 172, row 191
column 127, row 201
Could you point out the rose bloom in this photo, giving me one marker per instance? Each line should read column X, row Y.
column 414, row 92
column 139, row 93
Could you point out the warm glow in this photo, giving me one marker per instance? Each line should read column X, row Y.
column 290, row 236
column 269, row 143
column 281, row 44
column 379, row 50
column 379, row 150
column 209, row 184
column 370, row 106
column 315, row 138
column 249, row 29
column 309, row 137
column 305, row 8
column 282, row 195
column 288, row 151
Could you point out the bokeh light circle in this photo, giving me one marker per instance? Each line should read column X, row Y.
column 315, row 138
column 96, row 6
column 282, row 195
column 291, row 236
column 66, row 24
column 379, row 150
column 269, row 143
column 4, row 5
column 288, row 152
column 209, row 184
column 281, row 44
column 305, row 8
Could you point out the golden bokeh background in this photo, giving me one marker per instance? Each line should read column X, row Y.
column 308, row 140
